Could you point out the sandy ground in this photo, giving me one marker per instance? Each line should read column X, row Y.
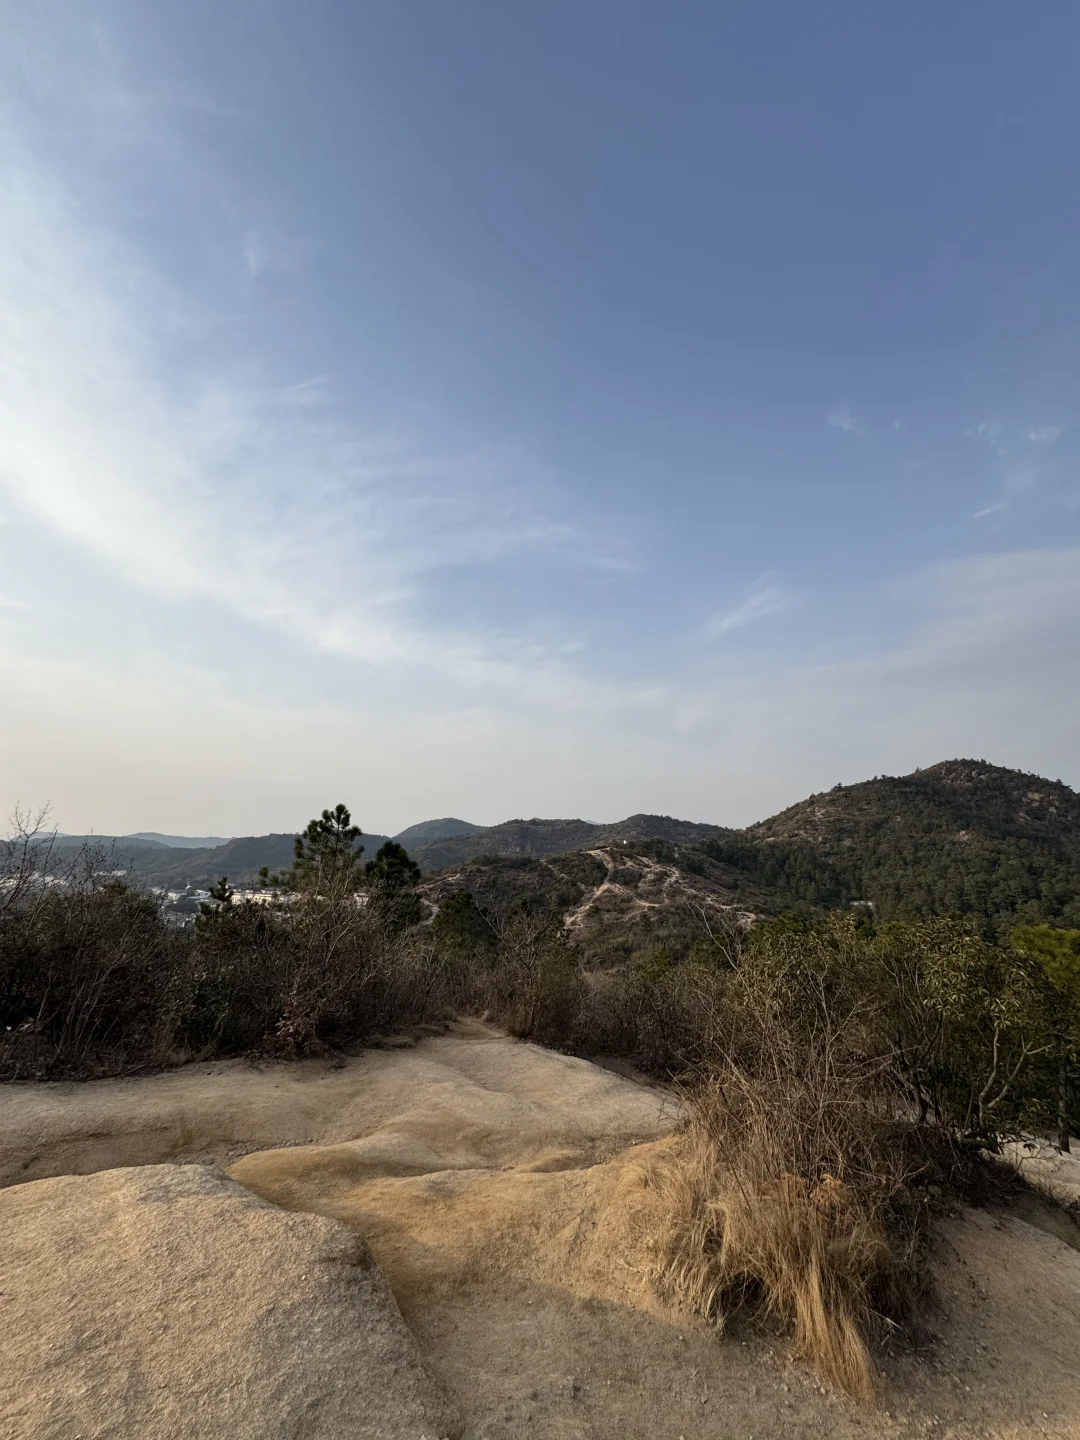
column 529, row 1296
column 1046, row 1168
column 469, row 1098
column 506, row 1193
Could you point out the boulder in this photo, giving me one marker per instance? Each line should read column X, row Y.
column 168, row 1301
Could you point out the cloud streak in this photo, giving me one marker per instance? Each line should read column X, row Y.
column 765, row 600
column 1043, row 435
column 841, row 418
column 199, row 483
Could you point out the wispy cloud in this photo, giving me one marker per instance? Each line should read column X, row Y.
column 1022, row 465
column 763, row 600
column 1043, row 435
column 974, row 640
column 842, row 418
column 268, row 253
column 200, row 482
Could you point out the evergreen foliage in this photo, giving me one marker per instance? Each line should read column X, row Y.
column 392, row 869
column 962, row 838
column 326, row 857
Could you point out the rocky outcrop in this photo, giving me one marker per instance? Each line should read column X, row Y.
column 168, row 1301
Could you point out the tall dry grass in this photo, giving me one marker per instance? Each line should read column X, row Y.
column 787, row 1196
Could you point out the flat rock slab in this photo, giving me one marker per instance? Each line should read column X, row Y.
column 168, row 1301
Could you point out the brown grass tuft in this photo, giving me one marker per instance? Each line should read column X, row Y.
column 786, row 1196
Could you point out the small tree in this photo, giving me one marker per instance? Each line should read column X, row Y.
column 463, row 927
column 392, row 868
column 326, row 859
column 333, row 947
column 966, row 1022
column 390, row 878
column 221, row 897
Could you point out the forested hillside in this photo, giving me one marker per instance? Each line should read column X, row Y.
column 963, row 837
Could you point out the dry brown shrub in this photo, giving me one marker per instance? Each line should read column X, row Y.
column 535, row 985
column 787, row 1192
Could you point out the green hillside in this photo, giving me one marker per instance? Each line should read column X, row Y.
column 963, row 837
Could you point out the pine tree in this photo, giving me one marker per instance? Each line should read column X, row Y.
column 326, row 858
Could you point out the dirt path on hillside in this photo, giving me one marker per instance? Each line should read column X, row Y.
column 528, row 1293
column 506, row 1193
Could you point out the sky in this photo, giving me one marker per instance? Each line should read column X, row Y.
column 496, row 410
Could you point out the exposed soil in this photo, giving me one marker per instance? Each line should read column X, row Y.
column 505, row 1193
column 470, row 1098
column 635, row 884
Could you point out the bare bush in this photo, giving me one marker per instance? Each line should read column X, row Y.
column 535, row 983
column 81, row 969
column 789, row 1194
column 25, row 854
column 662, row 1016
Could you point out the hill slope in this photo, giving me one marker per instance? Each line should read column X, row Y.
column 540, row 838
column 445, row 829
column 961, row 837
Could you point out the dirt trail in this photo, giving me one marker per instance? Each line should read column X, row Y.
column 529, row 1296
column 635, row 884
column 506, row 1194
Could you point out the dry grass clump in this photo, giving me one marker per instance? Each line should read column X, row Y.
column 787, row 1195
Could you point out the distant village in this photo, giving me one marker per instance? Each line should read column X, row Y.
column 180, row 907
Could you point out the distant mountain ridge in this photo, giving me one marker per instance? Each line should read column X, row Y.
column 962, row 836
column 539, row 838
column 447, row 828
column 175, row 867
column 145, row 839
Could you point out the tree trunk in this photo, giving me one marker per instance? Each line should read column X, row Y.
column 1063, row 1108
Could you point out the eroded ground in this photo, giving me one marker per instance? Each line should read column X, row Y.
column 506, row 1194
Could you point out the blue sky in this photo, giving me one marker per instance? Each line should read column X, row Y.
column 506, row 410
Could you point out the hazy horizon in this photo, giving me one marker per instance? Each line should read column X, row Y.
column 477, row 411
column 49, row 822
